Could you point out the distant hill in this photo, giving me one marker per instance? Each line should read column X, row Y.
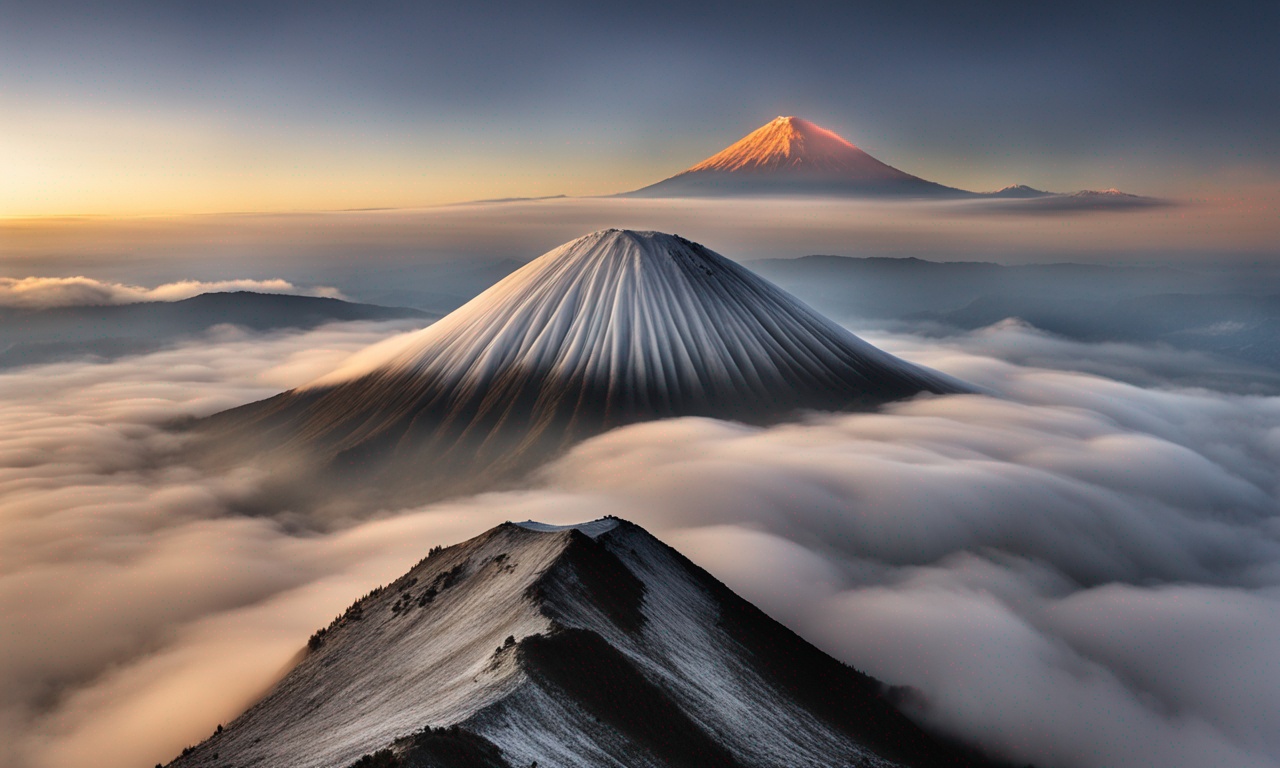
column 896, row 288
column 29, row 336
column 1093, row 303
column 1023, row 199
column 1017, row 191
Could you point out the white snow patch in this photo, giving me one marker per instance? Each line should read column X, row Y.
column 592, row 528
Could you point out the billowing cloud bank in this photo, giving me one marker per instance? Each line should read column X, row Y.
column 1074, row 571
column 41, row 292
column 1082, row 575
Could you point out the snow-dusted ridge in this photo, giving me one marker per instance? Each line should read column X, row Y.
column 612, row 328
column 542, row 643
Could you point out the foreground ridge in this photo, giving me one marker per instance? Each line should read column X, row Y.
column 569, row 646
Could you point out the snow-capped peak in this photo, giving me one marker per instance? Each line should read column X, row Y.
column 656, row 323
column 789, row 155
column 785, row 141
column 613, row 328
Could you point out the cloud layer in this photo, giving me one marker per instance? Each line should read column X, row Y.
column 42, row 292
column 1061, row 583
column 1072, row 570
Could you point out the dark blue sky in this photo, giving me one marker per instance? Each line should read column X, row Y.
column 425, row 102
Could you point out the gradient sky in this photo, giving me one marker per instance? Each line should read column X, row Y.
column 137, row 108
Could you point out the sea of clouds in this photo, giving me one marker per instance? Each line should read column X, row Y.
column 1071, row 570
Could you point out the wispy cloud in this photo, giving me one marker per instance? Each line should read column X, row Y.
column 1086, row 201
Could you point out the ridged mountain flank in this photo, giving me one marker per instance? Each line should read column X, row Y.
column 791, row 156
column 576, row 647
column 612, row 328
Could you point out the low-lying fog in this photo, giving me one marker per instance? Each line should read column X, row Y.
column 1081, row 568
column 1073, row 570
column 396, row 256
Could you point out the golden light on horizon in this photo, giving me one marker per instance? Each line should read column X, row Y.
column 73, row 161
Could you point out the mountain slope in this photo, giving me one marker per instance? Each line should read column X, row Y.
column 613, row 328
column 594, row 645
column 790, row 156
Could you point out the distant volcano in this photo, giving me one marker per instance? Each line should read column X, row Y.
column 610, row 329
column 790, row 156
column 577, row 647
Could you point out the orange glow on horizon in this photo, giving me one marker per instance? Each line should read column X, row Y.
column 65, row 161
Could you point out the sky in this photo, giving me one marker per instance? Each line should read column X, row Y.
column 134, row 108
column 1084, row 562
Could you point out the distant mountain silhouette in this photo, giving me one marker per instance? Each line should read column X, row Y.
column 1189, row 310
column 29, row 336
column 1017, row 191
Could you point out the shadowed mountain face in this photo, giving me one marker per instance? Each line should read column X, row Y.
column 613, row 328
column 580, row 646
column 790, row 156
